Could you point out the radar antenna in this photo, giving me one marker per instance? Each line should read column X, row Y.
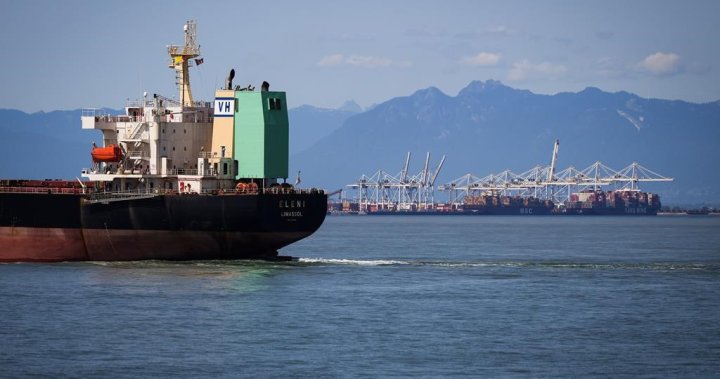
column 180, row 60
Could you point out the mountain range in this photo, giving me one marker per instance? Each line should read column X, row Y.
column 489, row 127
column 309, row 124
column 486, row 128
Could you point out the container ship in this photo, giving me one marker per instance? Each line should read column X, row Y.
column 623, row 202
column 506, row 205
column 471, row 205
column 405, row 209
column 172, row 180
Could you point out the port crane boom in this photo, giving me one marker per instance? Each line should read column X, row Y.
column 437, row 172
column 553, row 161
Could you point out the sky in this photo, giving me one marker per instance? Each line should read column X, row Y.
column 82, row 54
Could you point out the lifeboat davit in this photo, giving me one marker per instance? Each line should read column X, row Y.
column 109, row 153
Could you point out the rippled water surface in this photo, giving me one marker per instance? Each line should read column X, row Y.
column 388, row 296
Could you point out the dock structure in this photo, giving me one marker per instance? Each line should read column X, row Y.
column 383, row 191
column 401, row 191
column 537, row 182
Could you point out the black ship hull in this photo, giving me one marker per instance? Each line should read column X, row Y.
column 59, row 227
column 612, row 211
column 520, row 211
column 506, row 205
column 474, row 210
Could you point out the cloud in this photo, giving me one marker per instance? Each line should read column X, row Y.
column 661, row 64
column 425, row 32
column 482, row 59
column 331, row 60
column 360, row 61
column 502, row 30
column 494, row 31
column 368, row 62
column 525, row 69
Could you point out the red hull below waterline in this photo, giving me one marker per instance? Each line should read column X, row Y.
column 57, row 245
column 18, row 244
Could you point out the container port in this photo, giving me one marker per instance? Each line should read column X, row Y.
column 542, row 190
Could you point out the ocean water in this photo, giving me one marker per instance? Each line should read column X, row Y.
column 388, row 297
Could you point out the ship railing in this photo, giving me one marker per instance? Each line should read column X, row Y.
column 42, row 190
column 175, row 102
column 289, row 191
column 116, row 118
column 191, row 115
column 108, row 196
column 143, row 193
column 183, row 171
column 91, row 112
column 140, row 103
column 197, row 114
column 266, row 191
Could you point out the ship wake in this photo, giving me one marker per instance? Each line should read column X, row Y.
column 659, row 266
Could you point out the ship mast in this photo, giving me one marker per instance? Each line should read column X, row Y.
column 180, row 60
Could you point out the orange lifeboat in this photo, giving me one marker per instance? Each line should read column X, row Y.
column 110, row 153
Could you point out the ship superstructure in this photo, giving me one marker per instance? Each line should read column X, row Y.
column 162, row 144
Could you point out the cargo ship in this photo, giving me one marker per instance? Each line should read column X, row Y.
column 174, row 179
column 471, row 205
column 589, row 202
column 621, row 202
column 506, row 205
column 429, row 209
